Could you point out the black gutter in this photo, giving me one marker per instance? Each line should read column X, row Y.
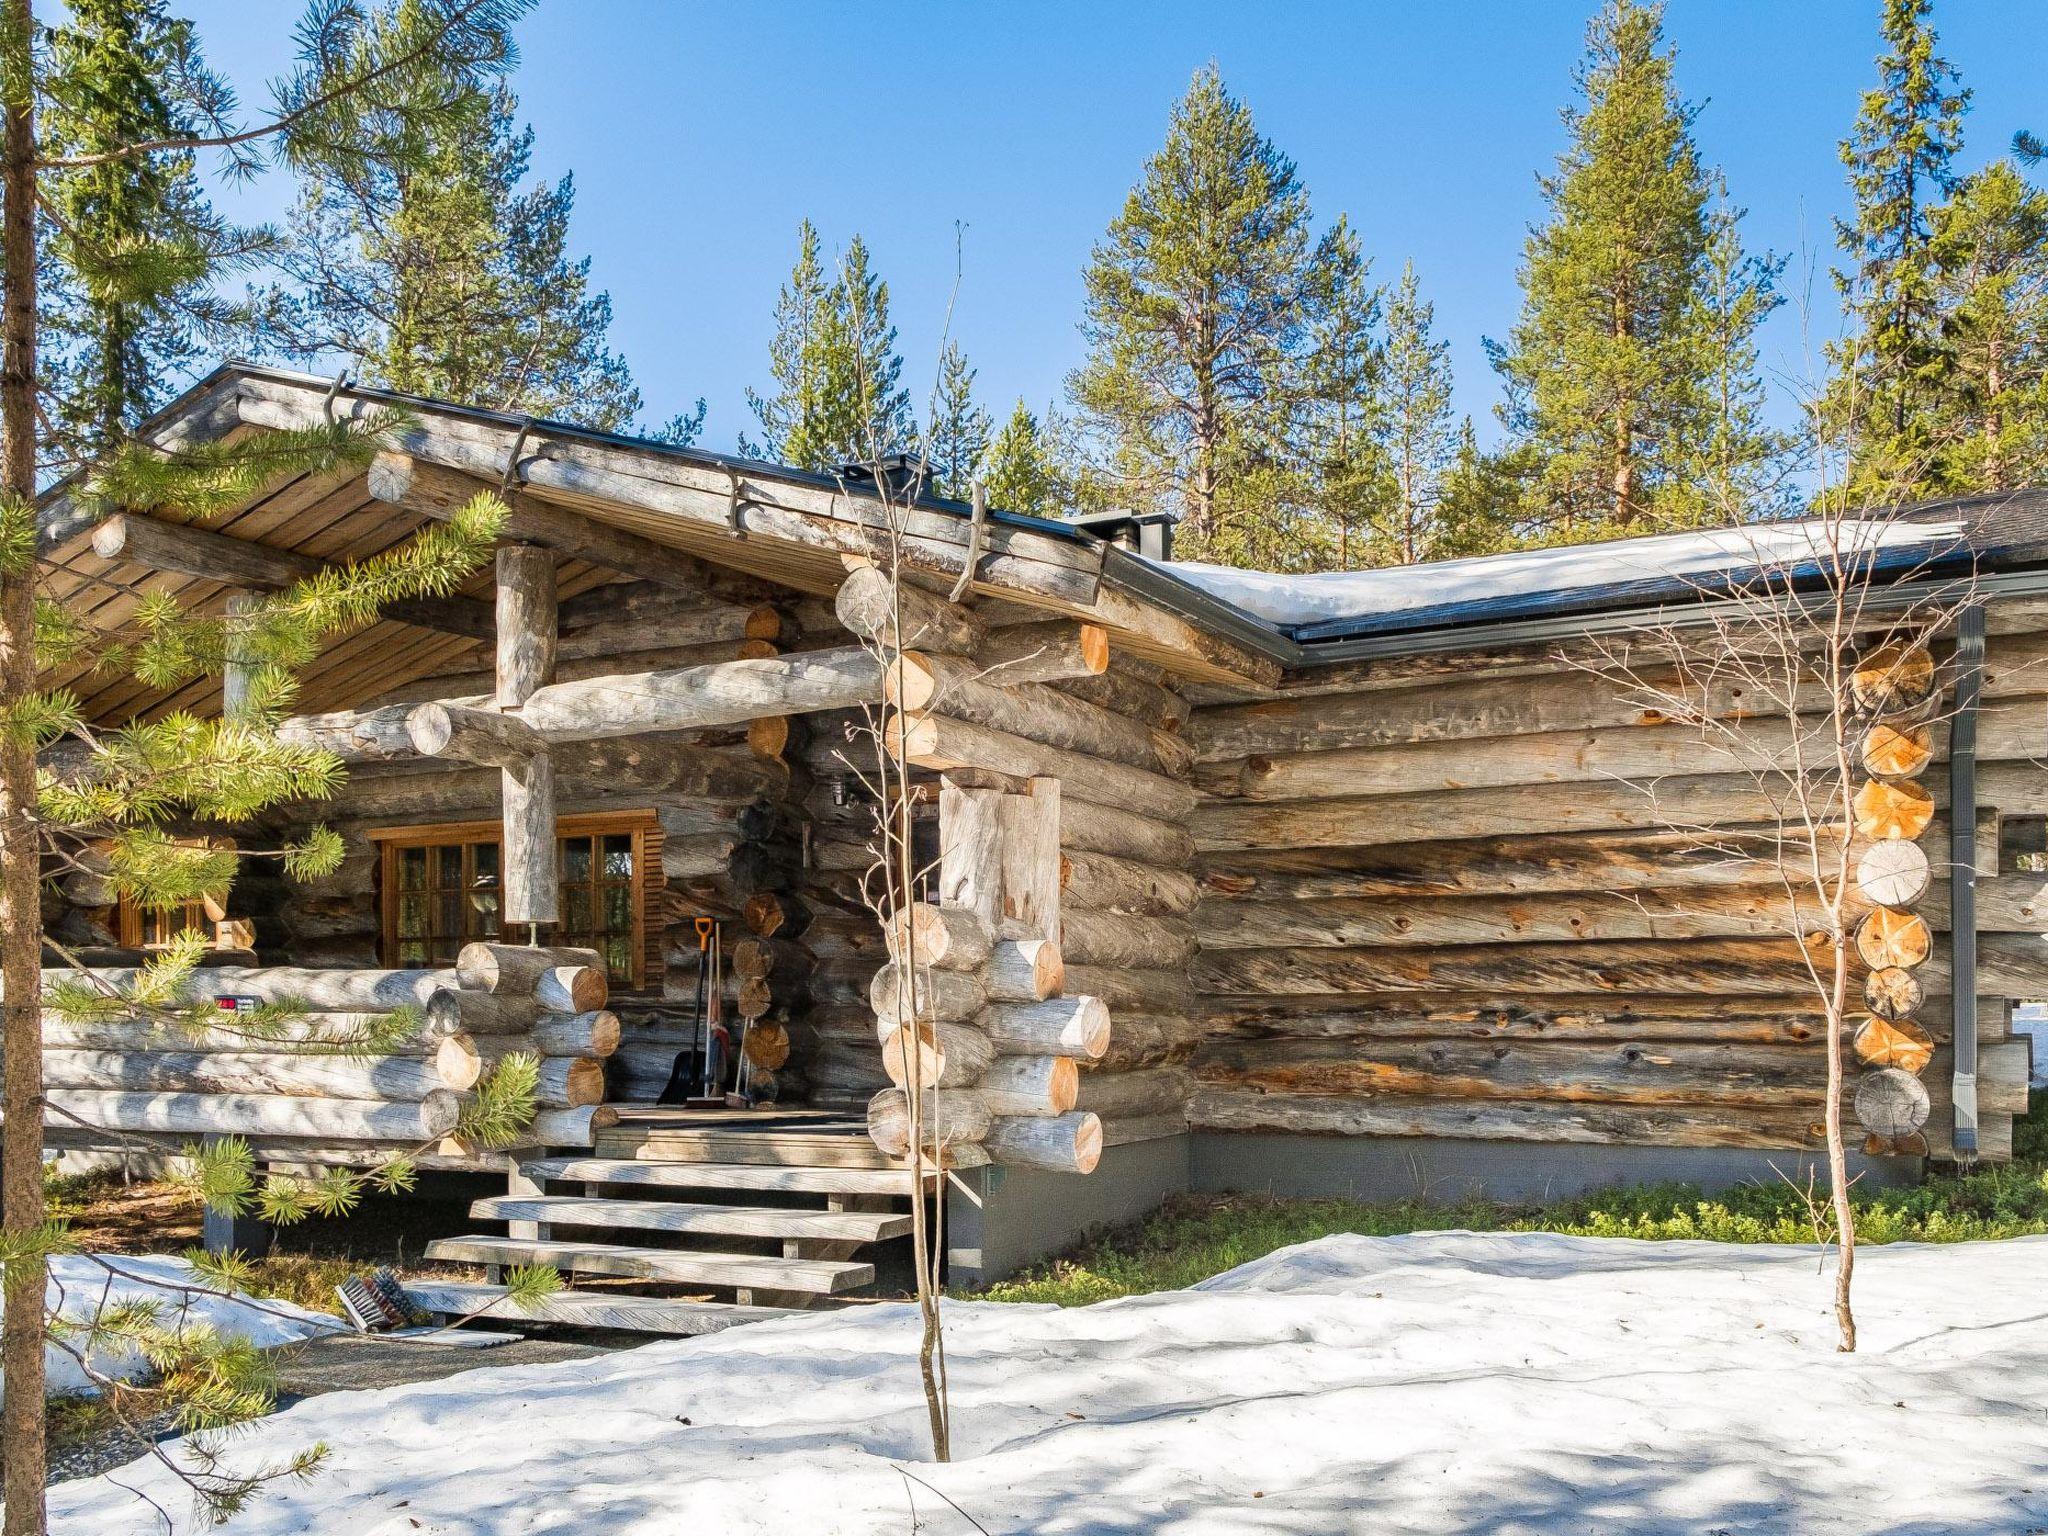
column 1962, row 853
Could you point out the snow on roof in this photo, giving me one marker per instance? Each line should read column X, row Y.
column 1327, row 596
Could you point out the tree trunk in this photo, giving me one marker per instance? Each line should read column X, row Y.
column 22, row 1447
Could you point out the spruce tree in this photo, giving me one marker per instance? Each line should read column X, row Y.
column 1599, row 371
column 338, row 107
column 838, row 394
column 1351, row 474
column 787, row 414
column 1200, row 308
column 958, row 438
column 1022, row 468
column 1416, row 429
column 1888, row 371
column 1728, row 465
column 1989, row 244
column 443, row 273
column 1482, row 500
column 134, row 247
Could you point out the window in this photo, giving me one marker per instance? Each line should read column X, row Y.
column 155, row 927
column 441, row 886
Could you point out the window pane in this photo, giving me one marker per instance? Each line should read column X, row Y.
column 576, row 908
column 448, row 867
column 412, row 869
column 412, row 916
column 575, row 858
column 618, row 907
column 618, row 956
column 618, row 856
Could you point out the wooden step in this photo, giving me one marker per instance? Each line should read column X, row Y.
column 820, row 1277
column 809, row 1181
column 718, row 1220
column 586, row 1309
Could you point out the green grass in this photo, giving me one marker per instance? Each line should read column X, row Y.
column 1191, row 1239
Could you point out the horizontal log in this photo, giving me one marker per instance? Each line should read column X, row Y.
column 1059, row 1026
column 1031, row 1085
column 468, row 734
column 1100, row 882
column 1069, row 1143
column 953, row 938
column 939, row 742
column 1124, row 938
column 1708, row 912
column 1129, row 1095
column 952, row 686
column 902, row 617
column 1024, row 971
column 250, row 1114
column 1631, row 1072
column 439, row 492
column 1617, row 1016
column 899, row 994
column 519, row 971
column 573, row 988
column 576, row 1127
column 1572, row 699
column 396, row 1078
column 693, row 698
column 1045, row 652
column 343, row 991
column 938, row 1055
column 1142, row 990
column 316, row 1034
column 1597, row 860
column 1121, row 690
column 1673, row 1125
column 189, row 550
column 560, row 1082
column 944, row 1118
column 1734, row 967
column 457, row 1011
column 1150, row 1040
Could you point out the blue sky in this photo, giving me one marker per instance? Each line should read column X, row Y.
column 701, row 134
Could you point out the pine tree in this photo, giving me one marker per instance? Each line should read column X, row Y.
column 1022, row 468
column 838, row 394
column 1483, row 498
column 1989, row 244
column 134, row 247
column 1598, row 369
column 1351, row 473
column 1416, row 431
column 444, row 274
column 353, row 86
column 1889, row 369
column 958, row 438
column 1729, row 465
column 787, row 416
column 1199, row 315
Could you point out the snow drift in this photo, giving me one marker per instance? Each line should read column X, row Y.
column 1446, row 1382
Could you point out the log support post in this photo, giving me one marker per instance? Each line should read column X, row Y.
column 527, row 618
column 238, row 674
column 227, row 1232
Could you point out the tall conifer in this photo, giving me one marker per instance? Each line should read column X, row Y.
column 1599, row 371
column 1417, row 434
column 958, row 437
column 446, row 274
column 1888, row 369
column 1022, row 467
column 1201, row 301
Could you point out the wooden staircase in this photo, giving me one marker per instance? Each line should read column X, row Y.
column 768, row 1215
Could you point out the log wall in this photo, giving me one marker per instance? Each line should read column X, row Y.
column 1453, row 904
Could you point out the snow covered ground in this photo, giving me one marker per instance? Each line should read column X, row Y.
column 1445, row 1382
column 81, row 1287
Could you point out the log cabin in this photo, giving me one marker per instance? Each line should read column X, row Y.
column 1359, row 884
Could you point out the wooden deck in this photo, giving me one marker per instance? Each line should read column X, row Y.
column 806, row 1138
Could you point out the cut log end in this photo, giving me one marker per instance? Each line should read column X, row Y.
column 1892, row 1103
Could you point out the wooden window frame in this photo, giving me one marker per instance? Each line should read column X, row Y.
column 201, row 912
column 644, row 826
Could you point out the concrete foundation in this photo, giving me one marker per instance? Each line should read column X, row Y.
column 1006, row 1218
column 1430, row 1168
